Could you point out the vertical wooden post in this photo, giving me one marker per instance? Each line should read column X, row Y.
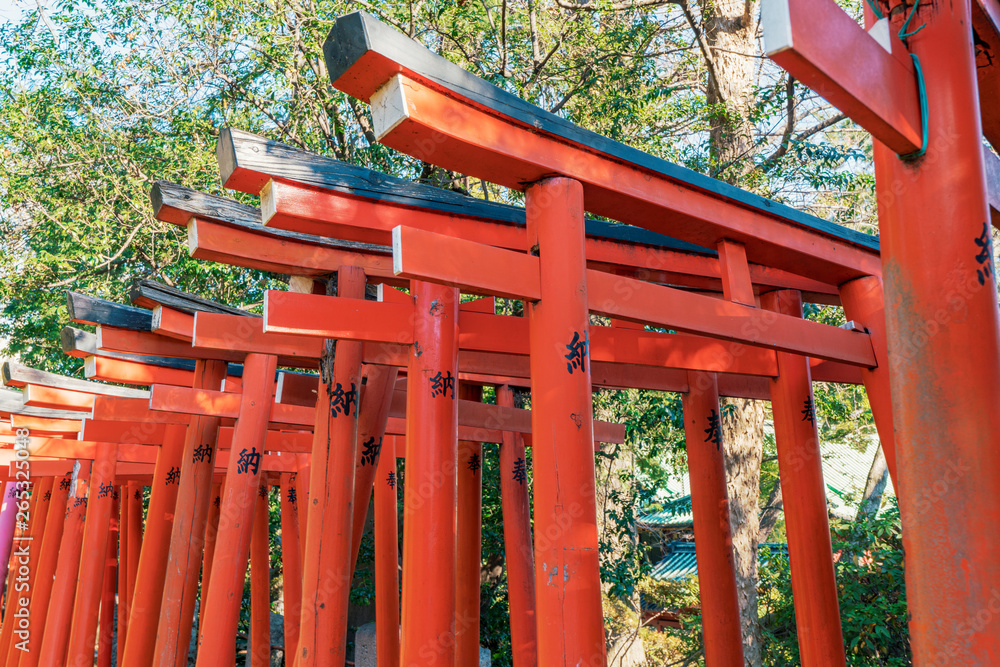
column 517, row 541
column 12, row 497
column 217, row 636
column 41, row 591
column 302, row 481
column 187, row 538
column 387, row 557
column 326, row 573
column 567, row 571
column 720, row 607
column 380, row 384
column 943, row 334
column 137, row 528
column 814, row 585
column 862, row 299
column 148, row 592
column 7, row 529
column 123, row 599
column 291, row 561
column 52, row 639
column 93, row 555
column 211, row 535
column 469, row 538
column 429, row 548
column 33, row 530
column 106, row 624
column 259, row 645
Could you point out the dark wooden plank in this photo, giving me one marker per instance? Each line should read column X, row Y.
column 177, row 204
column 83, row 344
column 380, row 51
column 18, row 375
column 149, row 293
column 248, row 161
column 85, row 309
column 12, row 401
column 175, row 198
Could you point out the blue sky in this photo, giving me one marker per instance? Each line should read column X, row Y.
column 11, row 9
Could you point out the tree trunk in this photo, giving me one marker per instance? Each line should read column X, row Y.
column 729, row 29
column 743, row 435
column 615, row 470
column 878, row 478
column 771, row 513
column 618, row 537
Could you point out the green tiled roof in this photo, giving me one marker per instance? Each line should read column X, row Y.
column 680, row 561
column 845, row 471
column 676, row 513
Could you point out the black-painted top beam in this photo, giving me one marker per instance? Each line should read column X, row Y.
column 247, row 161
column 361, row 39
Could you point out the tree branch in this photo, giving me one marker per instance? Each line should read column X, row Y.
column 706, row 51
column 591, row 6
column 786, row 136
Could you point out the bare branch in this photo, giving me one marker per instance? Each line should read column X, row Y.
column 706, row 51
column 591, row 6
column 786, row 136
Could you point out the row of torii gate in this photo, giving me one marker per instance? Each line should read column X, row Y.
column 223, row 406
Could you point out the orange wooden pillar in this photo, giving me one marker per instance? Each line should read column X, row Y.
column 147, row 594
column 123, row 600
column 429, row 548
column 106, row 624
column 720, row 607
column 53, row 638
column 11, row 494
column 517, row 541
column 863, row 303
column 469, row 542
column 291, row 561
column 187, row 538
column 211, row 535
column 570, row 618
column 326, row 572
column 260, row 584
column 41, row 590
column 943, row 336
column 25, row 547
column 302, row 483
column 9, row 620
column 40, row 501
column 93, row 555
column 137, row 529
column 217, row 636
column 380, row 384
column 814, row 585
column 387, row 557
column 23, row 560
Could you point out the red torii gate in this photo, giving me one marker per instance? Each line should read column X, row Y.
column 431, row 109
column 761, row 258
column 927, row 93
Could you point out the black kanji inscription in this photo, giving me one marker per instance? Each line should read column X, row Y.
column 714, row 430
column 370, row 451
column 442, row 384
column 341, row 400
column 520, row 471
column 248, row 461
column 576, row 358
